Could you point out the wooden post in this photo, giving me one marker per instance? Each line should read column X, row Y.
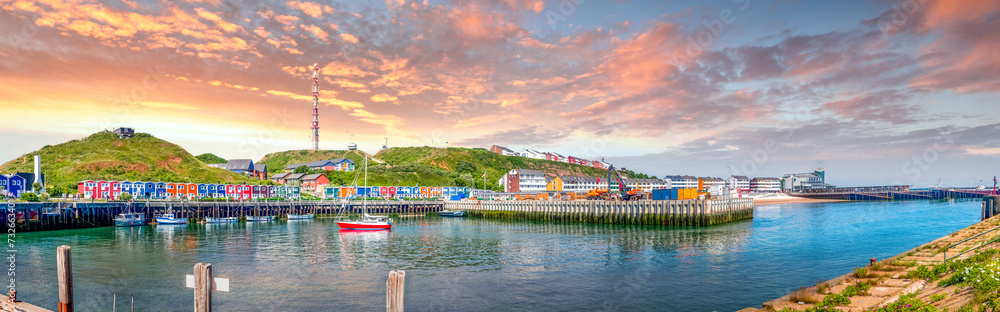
column 394, row 290
column 203, row 287
column 64, row 268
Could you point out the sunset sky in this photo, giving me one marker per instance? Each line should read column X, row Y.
column 876, row 92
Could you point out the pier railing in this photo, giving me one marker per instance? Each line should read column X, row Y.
column 650, row 212
column 990, row 209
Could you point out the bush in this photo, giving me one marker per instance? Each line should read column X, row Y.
column 29, row 197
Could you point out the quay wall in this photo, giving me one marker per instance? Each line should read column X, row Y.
column 642, row 212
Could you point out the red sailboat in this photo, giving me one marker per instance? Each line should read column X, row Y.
column 367, row 222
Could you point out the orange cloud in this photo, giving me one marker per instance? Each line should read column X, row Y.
column 326, row 97
column 313, row 9
column 317, row 32
column 349, row 38
column 384, row 98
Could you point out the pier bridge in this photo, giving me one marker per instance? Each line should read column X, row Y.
column 875, row 195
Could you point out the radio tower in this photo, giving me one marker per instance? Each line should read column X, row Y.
column 315, row 125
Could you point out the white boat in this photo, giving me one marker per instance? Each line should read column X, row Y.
column 260, row 219
column 367, row 222
column 222, row 220
column 169, row 218
column 130, row 219
column 307, row 216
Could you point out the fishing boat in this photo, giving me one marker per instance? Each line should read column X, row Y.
column 367, row 222
column 169, row 218
column 222, row 220
column 260, row 219
column 449, row 213
column 307, row 216
column 130, row 219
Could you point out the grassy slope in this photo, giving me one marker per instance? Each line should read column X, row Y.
column 476, row 161
column 410, row 166
column 102, row 156
column 210, row 158
column 276, row 162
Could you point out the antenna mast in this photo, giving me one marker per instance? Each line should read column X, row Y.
column 315, row 121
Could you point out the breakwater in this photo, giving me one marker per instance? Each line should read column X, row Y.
column 73, row 215
column 643, row 212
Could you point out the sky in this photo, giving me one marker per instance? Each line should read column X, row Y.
column 876, row 92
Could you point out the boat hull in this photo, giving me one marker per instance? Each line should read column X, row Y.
column 353, row 225
column 453, row 214
column 221, row 220
column 300, row 217
column 130, row 223
column 171, row 220
column 260, row 219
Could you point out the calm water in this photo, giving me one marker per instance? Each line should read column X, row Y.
column 484, row 265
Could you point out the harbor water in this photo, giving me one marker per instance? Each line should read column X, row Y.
column 467, row 264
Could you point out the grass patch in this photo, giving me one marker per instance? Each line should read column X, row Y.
column 938, row 297
column 863, row 273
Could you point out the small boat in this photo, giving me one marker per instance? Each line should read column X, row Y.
column 307, row 216
column 130, row 219
column 222, row 220
column 368, row 222
column 169, row 218
column 260, row 219
column 449, row 213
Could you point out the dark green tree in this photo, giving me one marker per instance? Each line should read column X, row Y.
column 302, row 169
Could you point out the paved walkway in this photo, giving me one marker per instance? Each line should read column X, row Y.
column 889, row 276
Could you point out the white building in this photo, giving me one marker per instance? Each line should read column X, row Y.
column 530, row 153
column 523, row 180
column 796, row 182
column 582, row 184
column 648, row 185
column 680, row 182
column 559, row 157
column 765, row 185
column 738, row 183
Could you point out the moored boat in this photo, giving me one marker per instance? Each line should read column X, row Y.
column 169, row 218
column 307, row 216
column 130, row 219
column 367, row 222
column 221, row 220
column 260, row 219
column 449, row 213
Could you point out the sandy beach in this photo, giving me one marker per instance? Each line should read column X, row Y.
column 791, row 200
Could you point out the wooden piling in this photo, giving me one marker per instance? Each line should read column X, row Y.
column 64, row 268
column 394, row 290
column 203, row 287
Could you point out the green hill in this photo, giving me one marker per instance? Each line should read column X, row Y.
column 411, row 166
column 210, row 158
column 276, row 162
column 103, row 156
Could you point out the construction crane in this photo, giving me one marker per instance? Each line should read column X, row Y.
column 624, row 191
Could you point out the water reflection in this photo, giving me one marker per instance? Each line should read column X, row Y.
column 480, row 265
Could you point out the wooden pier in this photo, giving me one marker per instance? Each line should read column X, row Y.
column 72, row 215
column 643, row 212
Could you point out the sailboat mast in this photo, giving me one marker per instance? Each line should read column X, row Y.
column 364, row 202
